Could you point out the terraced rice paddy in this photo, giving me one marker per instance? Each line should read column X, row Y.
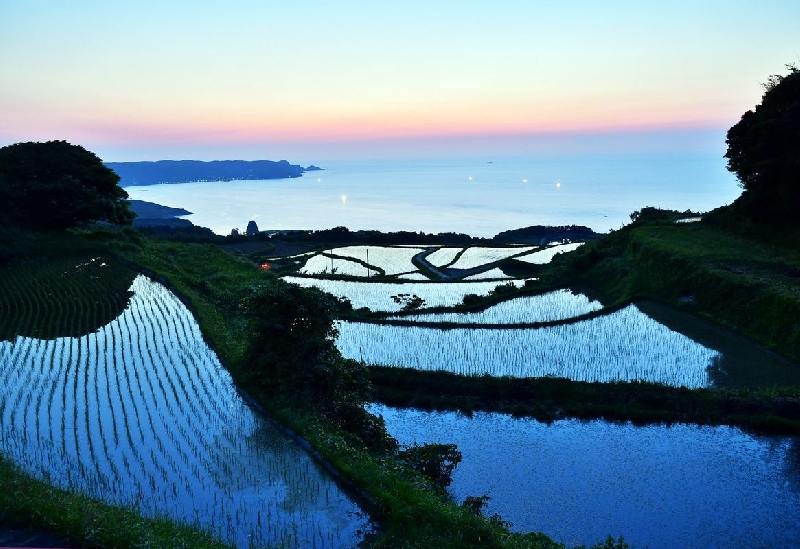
column 371, row 260
column 443, row 256
column 322, row 264
column 413, row 276
column 491, row 274
column 661, row 487
column 141, row 413
column 621, row 346
column 478, row 256
column 552, row 306
column 545, row 256
column 392, row 260
column 377, row 296
column 50, row 298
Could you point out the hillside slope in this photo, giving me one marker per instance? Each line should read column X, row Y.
column 748, row 284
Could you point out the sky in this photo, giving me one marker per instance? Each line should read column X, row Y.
column 315, row 80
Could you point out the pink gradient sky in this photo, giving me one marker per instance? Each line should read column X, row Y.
column 317, row 80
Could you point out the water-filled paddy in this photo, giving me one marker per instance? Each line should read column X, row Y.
column 624, row 345
column 547, row 307
column 660, row 487
column 142, row 413
column 377, row 296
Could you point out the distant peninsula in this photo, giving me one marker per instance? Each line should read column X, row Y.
column 185, row 171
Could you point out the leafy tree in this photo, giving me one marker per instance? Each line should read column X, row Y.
column 56, row 185
column 291, row 353
column 436, row 461
column 292, row 348
column 764, row 153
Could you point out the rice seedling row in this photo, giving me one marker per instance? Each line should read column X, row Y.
column 141, row 413
column 552, row 306
column 622, row 346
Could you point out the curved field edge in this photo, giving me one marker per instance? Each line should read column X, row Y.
column 548, row 399
column 82, row 521
column 749, row 284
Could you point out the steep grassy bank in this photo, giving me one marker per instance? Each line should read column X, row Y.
column 548, row 399
column 750, row 285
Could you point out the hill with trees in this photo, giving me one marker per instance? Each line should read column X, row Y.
column 764, row 153
column 56, row 185
column 185, row 171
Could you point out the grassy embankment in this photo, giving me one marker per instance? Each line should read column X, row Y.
column 747, row 283
column 213, row 282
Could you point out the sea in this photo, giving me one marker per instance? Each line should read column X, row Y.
column 476, row 196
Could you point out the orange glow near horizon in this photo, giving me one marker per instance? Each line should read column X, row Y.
column 219, row 129
column 123, row 80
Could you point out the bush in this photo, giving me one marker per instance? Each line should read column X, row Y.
column 291, row 350
column 435, row 461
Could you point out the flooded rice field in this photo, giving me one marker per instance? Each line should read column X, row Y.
column 660, row 487
column 141, row 413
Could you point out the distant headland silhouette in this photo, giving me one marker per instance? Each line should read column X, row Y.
column 185, row 171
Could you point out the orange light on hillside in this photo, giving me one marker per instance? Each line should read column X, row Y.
column 266, row 266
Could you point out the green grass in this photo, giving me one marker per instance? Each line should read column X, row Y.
column 82, row 521
column 750, row 285
column 48, row 297
column 772, row 410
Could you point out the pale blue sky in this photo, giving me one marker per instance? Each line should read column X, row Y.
column 255, row 79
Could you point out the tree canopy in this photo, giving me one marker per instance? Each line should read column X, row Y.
column 57, row 185
column 764, row 153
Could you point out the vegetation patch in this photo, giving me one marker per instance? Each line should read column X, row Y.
column 772, row 410
column 83, row 521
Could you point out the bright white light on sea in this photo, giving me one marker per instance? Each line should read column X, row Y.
column 344, row 199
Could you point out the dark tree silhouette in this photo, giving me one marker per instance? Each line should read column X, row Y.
column 56, row 185
column 764, row 153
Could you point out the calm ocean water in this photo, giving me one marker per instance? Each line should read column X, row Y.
column 480, row 196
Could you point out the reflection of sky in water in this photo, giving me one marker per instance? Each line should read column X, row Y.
column 142, row 413
column 660, row 487
column 622, row 346
column 438, row 196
